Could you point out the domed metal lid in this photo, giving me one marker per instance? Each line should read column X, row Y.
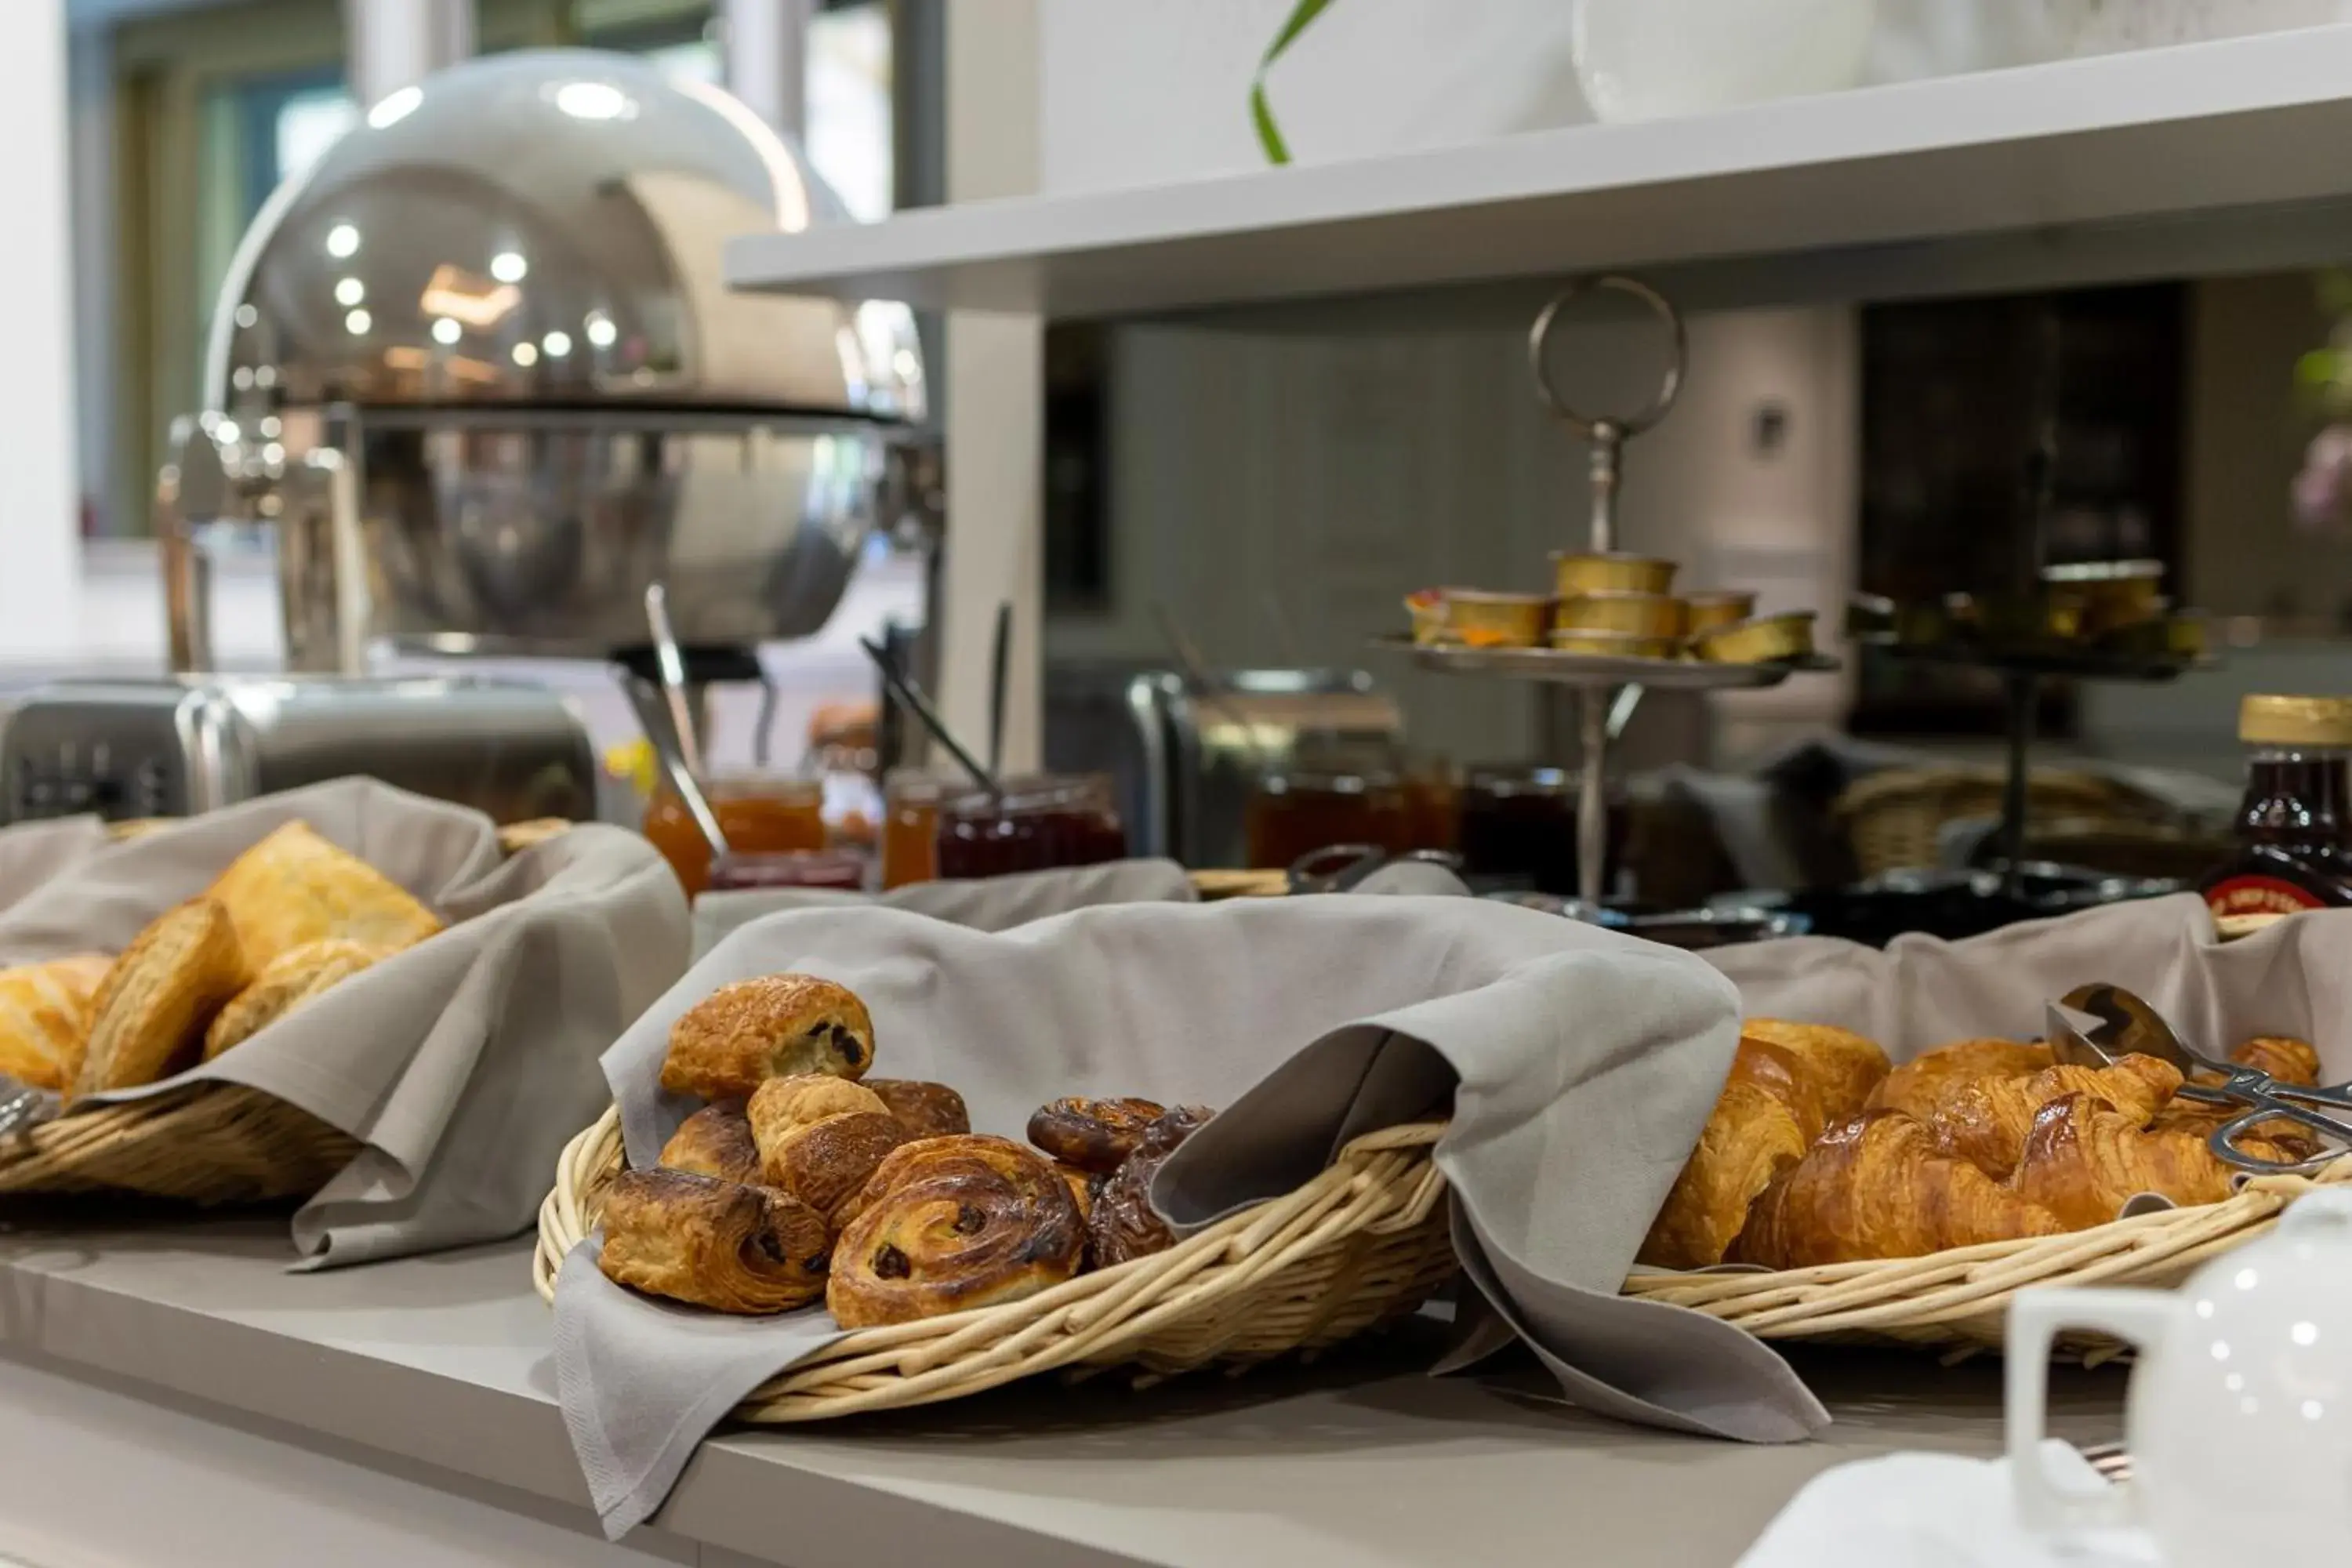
column 545, row 229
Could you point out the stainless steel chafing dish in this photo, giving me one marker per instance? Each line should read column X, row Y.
column 479, row 371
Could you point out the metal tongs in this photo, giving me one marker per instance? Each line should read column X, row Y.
column 1342, row 868
column 2097, row 1026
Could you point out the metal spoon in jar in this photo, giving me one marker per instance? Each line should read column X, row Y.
column 672, row 743
column 2099, row 1024
column 904, row 688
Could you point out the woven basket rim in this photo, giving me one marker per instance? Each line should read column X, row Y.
column 1383, row 1185
column 206, row 1143
column 1957, row 1297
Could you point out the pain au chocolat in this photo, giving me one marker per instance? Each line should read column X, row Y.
column 773, row 1026
column 721, row 1244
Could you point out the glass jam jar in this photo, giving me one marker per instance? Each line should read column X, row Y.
column 2294, row 823
column 759, row 813
column 1038, row 825
column 1299, row 810
column 910, row 828
column 1518, row 828
column 841, row 870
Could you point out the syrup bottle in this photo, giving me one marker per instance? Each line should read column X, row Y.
column 2294, row 826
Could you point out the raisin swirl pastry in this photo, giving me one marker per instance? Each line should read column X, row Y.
column 1123, row 1226
column 1095, row 1135
column 776, row 1025
column 693, row 1239
column 950, row 1224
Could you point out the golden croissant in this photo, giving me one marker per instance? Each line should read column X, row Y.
column 1985, row 1121
column 1878, row 1186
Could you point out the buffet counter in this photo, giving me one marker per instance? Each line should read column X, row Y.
column 405, row 1411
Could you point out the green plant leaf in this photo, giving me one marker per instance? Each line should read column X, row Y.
column 1269, row 134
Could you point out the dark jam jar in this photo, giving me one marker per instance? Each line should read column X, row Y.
column 2293, row 849
column 1518, row 828
column 1037, row 825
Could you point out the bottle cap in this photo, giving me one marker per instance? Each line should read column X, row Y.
column 2295, row 720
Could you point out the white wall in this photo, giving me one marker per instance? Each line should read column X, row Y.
column 39, row 487
column 1140, row 93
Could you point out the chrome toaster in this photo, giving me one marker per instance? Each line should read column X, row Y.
column 178, row 747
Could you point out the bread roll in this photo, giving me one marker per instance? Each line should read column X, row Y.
column 285, row 983
column 720, row 1245
column 148, row 1018
column 295, row 888
column 777, row 1026
column 45, row 1018
column 950, row 1224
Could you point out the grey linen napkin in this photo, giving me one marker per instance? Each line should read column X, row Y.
column 1580, row 1066
column 462, row 1065
column 990, row 903
column 2294, row 978
column 31, row 853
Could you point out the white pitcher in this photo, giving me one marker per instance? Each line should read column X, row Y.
column 2240, row 1415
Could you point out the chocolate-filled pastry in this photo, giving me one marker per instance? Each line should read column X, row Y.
column 148, row 1018
column 1093, row 1135
column 777, row 1026
column 714, row 1243
column 924, row 1110
column 1123, row 1226
column 715, row 1141
column 949, row 1224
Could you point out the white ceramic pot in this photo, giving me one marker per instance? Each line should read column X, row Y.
column 1648, row 60
column 2240, row 1417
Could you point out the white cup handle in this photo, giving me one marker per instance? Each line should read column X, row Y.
column 2035, row 1318
column 2322, row 1208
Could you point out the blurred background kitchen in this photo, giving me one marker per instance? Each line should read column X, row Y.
column 1263, row 484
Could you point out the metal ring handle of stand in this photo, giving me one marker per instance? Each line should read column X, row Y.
column 1608, row 434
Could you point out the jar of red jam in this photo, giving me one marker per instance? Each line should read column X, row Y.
column 2294, row 823
column 1036, row 824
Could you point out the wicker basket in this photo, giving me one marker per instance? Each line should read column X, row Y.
column 206, row 1143
column 1958, row 1300
column 1894, row 819
column 1363, row 1243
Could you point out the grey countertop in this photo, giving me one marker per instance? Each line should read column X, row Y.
column 438, row 1368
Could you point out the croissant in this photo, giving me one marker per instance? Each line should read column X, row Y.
column 2082, row 1161
column 713, row 1243
column 1836, row 1070
column 2287, row 1061
column 953, row 1223
column 1750, row 1141
column 1877, row 1186
column 1986, row 1122
column 1920, row 1086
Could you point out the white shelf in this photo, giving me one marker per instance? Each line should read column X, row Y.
column 2097, row 166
